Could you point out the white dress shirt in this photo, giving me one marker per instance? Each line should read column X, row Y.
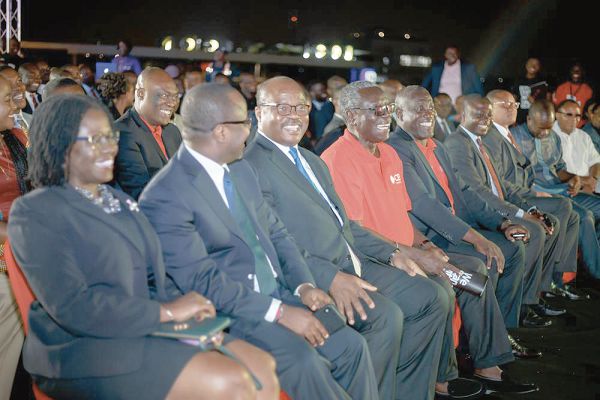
column 286, row 150
column 451, row 80
column 216, row 172
column 578, row 151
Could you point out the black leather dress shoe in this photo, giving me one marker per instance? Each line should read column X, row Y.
column 506, row 385
column 532, row 320
column 546, row 310
column 462, row 388
column 567, row 291
column 521, row 351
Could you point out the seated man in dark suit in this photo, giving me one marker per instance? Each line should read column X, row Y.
column 447, row 211
column 444, row 127
column 474, row 165
column 368, row 175
column 148, row 138
column 514, row 167
column 346, row 260
column 219, row 213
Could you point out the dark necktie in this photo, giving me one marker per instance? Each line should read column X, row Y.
column 490, row 167
column 34, row 100
column 264, row 275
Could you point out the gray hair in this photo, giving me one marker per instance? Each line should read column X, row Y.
column 349, row 97
column 203, row 107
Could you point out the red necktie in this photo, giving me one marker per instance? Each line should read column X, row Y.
column 513, row 141
column 34, row 100
column 490, row 167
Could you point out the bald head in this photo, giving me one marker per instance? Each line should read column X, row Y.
column 266, row 91
column 334, row 84
column 207, row 105
column 61, row 86
column 405, row 96
column 542, row 108
column 156, row 96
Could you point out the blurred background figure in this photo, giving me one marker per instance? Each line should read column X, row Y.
column 123, row 61
column 444, row 127
column 575, row 88
column 116, row 92
column 30, row 76
column 529, row 88
column 321, row 111
column 88, row 81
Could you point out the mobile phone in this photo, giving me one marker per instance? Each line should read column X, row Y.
column 331, row 318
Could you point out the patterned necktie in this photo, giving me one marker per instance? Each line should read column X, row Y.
column 264, row 275
column 513, row 141
column 490, row 168
column 298, row 162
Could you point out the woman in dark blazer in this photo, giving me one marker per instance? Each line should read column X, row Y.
column 95, row 266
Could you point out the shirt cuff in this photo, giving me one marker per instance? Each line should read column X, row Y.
column 520, row 213
column 297, row 291
column 272, row 312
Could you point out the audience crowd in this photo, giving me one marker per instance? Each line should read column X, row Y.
column 332, row 223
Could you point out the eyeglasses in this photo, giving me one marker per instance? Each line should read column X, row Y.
column 101, row 138
column 380, row 110
column 286, row 109
column 508, row 104
column 570, row 115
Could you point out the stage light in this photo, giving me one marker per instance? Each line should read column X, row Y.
column 189, row 44
column 356, row 35
column 320, row 50
column 306, row 54
column 167, row 43
column 407, row 36
column 336, row 52
column 348, row 53
column 381, row 34
column 213, row 45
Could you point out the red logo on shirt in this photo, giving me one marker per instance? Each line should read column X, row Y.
column 396, row 179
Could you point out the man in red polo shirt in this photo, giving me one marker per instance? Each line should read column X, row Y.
column 148, row 138
column 368, row 176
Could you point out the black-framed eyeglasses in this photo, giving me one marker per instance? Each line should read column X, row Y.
column 380, row 110
column 101, row 138
column 507, row 104
column 286, row 109
column 568, row 114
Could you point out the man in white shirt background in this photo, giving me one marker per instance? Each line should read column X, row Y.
column 578, row 150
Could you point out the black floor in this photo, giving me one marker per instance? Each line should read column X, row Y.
column 570, row 366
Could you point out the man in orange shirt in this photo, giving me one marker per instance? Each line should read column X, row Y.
column 368, row 175
column 574, row 89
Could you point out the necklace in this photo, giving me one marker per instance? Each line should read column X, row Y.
column 105, row 200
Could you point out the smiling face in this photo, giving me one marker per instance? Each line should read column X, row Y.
column 477, row 116
column 17, row 87
column 7, row 105
column 364, row 120
column 417, row 115
column 451, row 55
column 284, row 129
column 88, row 165
column 30, row 75
column 157, row 98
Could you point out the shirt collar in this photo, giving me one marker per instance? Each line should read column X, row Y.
column 212, row 167
column 503, row 131
column 429, row 146
column 283, row 148
column 561, row 133
column 155, row 130
column 473, row 136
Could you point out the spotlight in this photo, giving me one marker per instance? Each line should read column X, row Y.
column 336, row 52
column 320, row 50
column 188, row 44
column 381, row 34
column 348, row 53
column 407, row 36
column 167, row 43
column 213, row 45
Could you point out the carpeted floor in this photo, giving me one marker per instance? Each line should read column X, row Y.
column 570, row 366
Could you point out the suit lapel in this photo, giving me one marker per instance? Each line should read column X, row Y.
column 84, row 206
column 204, row 185
column 149, row 136
column 289, row 169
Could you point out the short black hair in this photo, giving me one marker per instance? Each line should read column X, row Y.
column 112, row 85
column 53, row 130
column 566, row 101
column 55, row 84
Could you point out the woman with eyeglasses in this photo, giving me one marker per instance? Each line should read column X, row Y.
column 13, row 183
column 94, row 263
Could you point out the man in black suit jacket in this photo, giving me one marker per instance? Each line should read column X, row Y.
column 470, row 159
column 345, row 259
column 30, row 75
column 514, row 167
column 219, row 213
column 443, row 108
column 453, row 216
column 148, row 139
